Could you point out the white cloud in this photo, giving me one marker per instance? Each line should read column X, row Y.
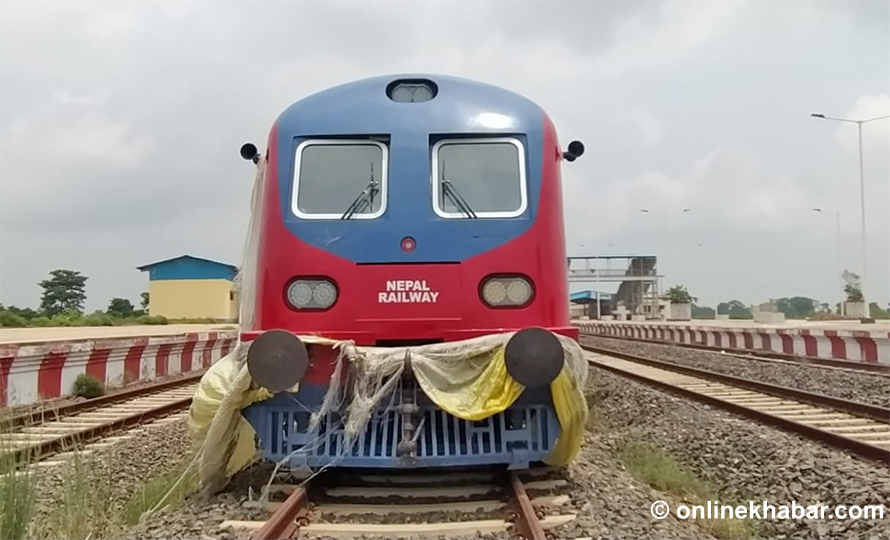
column 651, row 129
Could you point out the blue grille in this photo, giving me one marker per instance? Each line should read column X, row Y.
column 522, row 434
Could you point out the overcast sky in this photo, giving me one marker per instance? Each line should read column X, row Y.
column 121, row 124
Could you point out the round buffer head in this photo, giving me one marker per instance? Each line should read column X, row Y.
column 277, row 360
column 534, row 357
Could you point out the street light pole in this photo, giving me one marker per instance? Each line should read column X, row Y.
column 658, row 244
column 861, row 197
column 840, row 264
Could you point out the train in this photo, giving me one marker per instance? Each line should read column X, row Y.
column 405, row 213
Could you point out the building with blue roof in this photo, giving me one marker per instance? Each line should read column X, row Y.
column 188, row 287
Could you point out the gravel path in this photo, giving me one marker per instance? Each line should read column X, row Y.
column 743, row 460
column 864, row 387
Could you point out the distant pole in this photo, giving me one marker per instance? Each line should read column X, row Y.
column 861, row 197
column 840, row 263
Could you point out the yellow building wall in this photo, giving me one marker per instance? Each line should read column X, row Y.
column 193, row 299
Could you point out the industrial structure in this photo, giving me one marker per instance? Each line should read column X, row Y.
column 638, row 289
column 188, row 287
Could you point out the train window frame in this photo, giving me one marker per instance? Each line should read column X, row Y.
column 384, row 178
column 523, row 177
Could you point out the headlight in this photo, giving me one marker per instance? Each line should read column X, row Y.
column 507, row 291
column 311, row 293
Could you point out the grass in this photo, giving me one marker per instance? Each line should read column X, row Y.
column 84, row 502
column 17, row 490
column 16, row 497
column 167, row 490
column 655, row 467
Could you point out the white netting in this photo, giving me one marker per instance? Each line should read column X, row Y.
column 245, row 279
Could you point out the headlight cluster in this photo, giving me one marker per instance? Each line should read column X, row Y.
column 507, row 291
column 316, row 293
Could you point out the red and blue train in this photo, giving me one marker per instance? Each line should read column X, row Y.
column 400, row 211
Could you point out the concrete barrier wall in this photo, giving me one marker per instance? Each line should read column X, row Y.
column 852, row 345
column 30, row 372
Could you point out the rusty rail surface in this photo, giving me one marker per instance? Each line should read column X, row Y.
column 526, row 518
column 872, row 412
column 37, row 416
column 282, row 525
column 749, row 354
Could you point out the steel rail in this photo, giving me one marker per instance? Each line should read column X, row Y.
column 858, row 447
column 857, row 408
column 748, row 354
column 48, row 447
column 40, row 415
column 282, row 524
column 526, row 518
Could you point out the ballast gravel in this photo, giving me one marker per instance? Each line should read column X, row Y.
column 110, row 476
column 745, row 461
column 741, row 460
column 872, row 388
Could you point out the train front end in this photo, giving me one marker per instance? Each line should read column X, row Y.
column 408, row 304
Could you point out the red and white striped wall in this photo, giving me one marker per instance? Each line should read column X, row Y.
column 852, row 345
column 30, row 372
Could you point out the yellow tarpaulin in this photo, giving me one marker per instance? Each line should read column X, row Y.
column 467, row 379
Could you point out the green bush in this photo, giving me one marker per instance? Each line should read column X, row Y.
column 87, row 386
column 9, row 319
column 41, row 321
column 98, row 318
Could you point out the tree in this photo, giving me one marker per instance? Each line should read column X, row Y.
column 735, row 310
column 702, row 312
column 63, row 292
column 797, row 307
column 679, row 295
column 877, row 312
column 144, row 297
column 853, row 288
column 120, row 307
column 25, row 313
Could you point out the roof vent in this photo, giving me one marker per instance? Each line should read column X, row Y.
column 411, row 90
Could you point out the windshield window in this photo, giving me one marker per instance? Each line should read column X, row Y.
column 479, row 178
column 337, row 178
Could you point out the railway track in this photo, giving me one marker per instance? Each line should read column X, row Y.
column 38, row 434
column 761, row 356
column 857, row 427
column 340, row 504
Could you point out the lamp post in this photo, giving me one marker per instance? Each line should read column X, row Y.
column 837, row 217
column 658, row 246
column 861, row 195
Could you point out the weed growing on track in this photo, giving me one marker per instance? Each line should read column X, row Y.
column 167, row 490
column 84, row 507
column 16, row 491
column 653, row 466
column 79, row 499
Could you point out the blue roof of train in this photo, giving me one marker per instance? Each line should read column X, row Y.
column 361, row 108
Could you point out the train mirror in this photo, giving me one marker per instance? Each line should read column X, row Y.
column 249, row 152
column 576, row 150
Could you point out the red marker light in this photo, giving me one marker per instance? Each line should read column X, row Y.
column 408, row 244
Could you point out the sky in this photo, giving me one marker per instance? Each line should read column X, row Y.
column 120, row 124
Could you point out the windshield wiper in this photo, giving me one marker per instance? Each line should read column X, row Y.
column 364, row 200
column 448, row 190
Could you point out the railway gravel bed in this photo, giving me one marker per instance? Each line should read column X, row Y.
column 82, row 495
column 858, row 386
column 609, row 503
column 744, row 461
